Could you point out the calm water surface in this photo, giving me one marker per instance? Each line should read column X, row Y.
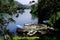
column 24, row 18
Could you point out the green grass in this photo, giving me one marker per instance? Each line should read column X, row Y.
column 1, row 38
column 34, row 38
column 26, row 38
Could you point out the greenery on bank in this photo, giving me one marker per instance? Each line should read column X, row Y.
column 1, row 38
column 8, row 8
column 44, row 38
column 27, row 38
column 34, row 10
column 53, row 19
column 48, row 10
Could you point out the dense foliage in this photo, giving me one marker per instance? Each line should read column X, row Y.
column 49, row 10
column 46, row 10
column 34, row 10
column 8, row 8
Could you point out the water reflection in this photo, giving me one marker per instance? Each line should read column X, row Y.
column 24, row 18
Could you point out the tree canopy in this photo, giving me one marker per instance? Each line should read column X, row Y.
column 8, row 8
column 46, row 9
column 34, row 10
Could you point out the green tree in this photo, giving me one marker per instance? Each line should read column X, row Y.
column 48, row 10
column 8, row 8
column 45, row 9
column 34, row 10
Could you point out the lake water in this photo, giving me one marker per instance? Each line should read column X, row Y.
column 24, row 18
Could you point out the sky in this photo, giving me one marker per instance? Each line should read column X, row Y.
column 25, row 1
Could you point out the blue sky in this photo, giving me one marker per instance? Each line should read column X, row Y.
column 25, row 1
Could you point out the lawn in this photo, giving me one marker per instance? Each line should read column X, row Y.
column 25, row 38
